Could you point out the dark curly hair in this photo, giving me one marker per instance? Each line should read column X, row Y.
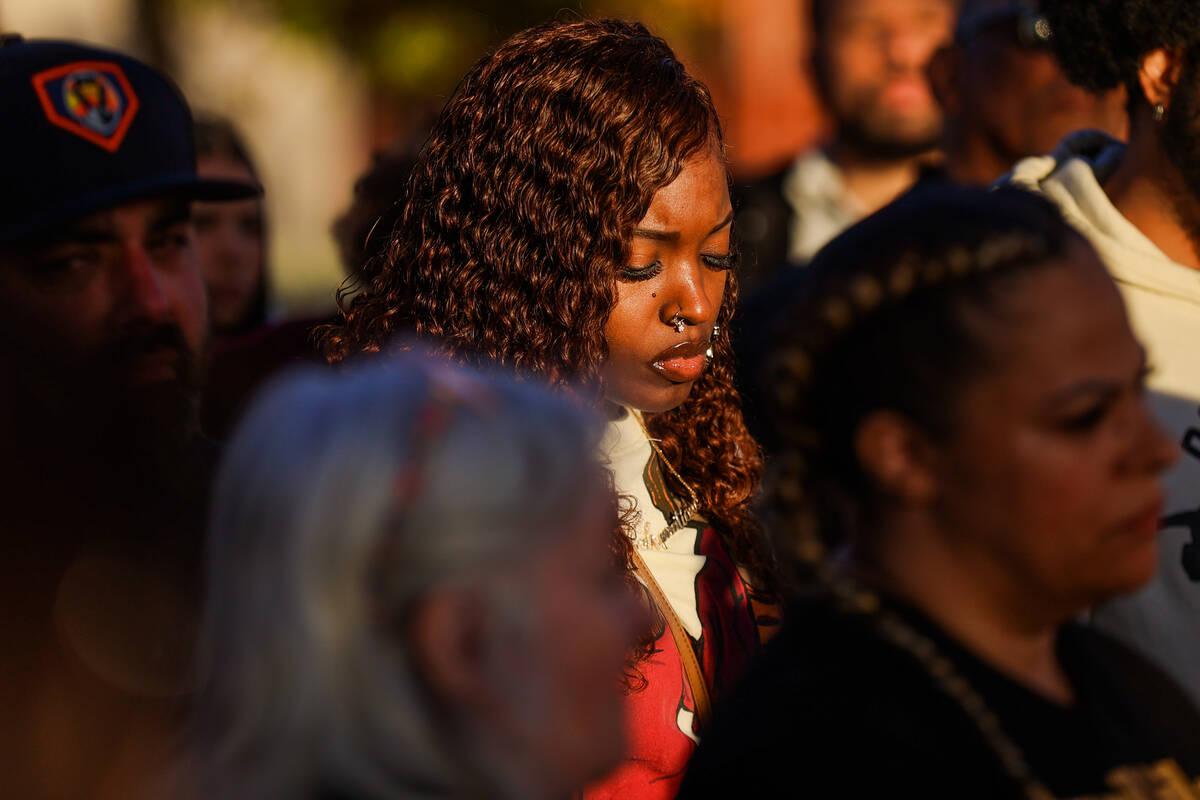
column 520, row 210
column 1100, row 43
column 885, row 319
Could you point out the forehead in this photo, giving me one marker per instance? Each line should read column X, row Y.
column 1063, row 323
column 701, row 188
column 123, row 219
column 836, row 11
column 225, row 168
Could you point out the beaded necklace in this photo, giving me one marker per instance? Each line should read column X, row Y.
column 853, row 598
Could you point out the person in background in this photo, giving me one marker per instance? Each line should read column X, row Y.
column 968, row 462
column 569, row 218
column 241, row 365
column 1004, row 95
column 1139, row 205
column 869, row 58
column 231, row 238
column 414, row 595
column 363, row 230
column 103, row 472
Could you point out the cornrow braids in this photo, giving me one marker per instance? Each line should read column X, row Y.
column 882, row 321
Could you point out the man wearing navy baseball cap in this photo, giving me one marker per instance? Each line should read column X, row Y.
column 103, row 328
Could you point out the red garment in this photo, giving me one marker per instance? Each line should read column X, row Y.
column 660, row 716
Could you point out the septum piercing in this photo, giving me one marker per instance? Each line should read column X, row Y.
column 677, row 323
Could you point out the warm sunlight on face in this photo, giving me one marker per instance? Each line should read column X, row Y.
column 670, row 293
column 1051, row 475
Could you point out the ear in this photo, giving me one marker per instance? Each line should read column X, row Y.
column 447, row 640
column 898, row 457
column 945, row 67
column 1159, row 74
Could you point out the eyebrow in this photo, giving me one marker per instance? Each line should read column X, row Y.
column 673, row 236
column 102, row 233
column 171, row 215
column 1095, row 386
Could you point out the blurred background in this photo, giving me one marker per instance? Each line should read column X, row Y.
column 317, row 86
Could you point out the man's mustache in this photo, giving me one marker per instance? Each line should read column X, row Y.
column 142, row 341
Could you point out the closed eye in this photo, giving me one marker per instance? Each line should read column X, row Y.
column 635, row 274
column 726, row 262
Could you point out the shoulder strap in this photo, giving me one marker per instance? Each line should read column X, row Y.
column 683, row 642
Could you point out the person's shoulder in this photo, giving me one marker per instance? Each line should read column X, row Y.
column 1085, row 152
column 1127, row 685
column 1112, row 664
column 832, row 702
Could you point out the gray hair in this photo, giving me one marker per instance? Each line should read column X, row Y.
column 344, row 499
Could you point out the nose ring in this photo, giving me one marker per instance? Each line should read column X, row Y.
column 677, row 323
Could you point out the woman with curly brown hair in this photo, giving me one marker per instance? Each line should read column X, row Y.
column 570, row 218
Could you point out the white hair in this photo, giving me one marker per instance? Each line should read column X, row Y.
column 343, row 500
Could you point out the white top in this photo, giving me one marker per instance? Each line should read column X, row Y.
column 675, row 564
column 1163, row 300
column 821, row 206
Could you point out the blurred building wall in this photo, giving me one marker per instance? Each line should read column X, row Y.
column 771, row 103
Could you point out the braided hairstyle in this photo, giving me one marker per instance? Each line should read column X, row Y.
column 519, row 213
column 887, row 318
column 1100, row 43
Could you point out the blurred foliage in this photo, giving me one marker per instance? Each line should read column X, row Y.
column 417, row 49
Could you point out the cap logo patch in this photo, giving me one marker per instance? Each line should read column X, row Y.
column 91, row 99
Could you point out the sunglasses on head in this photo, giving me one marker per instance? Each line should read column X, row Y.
column 1030, row 29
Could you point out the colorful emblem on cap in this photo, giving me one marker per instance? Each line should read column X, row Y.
column 91, row 99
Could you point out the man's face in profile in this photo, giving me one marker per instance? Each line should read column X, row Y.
column 104, row 321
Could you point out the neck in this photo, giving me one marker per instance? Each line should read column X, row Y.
column 972, row 160
column 874, row 182
column 1149, row 192
column 973, row 599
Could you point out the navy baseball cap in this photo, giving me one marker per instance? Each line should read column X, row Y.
column 86, row 129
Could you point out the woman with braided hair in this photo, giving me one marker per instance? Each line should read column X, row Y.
column 967, row 462
column 1139, row 206
column 569, row 218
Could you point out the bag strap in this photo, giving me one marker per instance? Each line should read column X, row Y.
column 683, row 642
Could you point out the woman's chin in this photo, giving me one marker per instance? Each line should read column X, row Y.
column 654, row 400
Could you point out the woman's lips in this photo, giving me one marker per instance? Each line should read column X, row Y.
column 1146, row 524
column 682, row 363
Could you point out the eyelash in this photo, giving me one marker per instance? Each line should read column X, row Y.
column 638, row 274
column 1086, row 421
column 723, row 263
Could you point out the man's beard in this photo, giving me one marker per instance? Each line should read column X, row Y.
column 876, row 137
column 151, row 423
column 94, row 406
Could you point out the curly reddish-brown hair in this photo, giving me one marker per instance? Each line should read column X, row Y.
column 518, row 215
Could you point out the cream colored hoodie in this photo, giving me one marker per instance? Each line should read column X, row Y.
column 1163, row 299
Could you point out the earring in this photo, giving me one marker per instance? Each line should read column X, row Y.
column 1159, row 111
column 716, row 334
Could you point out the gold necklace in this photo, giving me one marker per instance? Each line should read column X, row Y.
column 680, row 517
